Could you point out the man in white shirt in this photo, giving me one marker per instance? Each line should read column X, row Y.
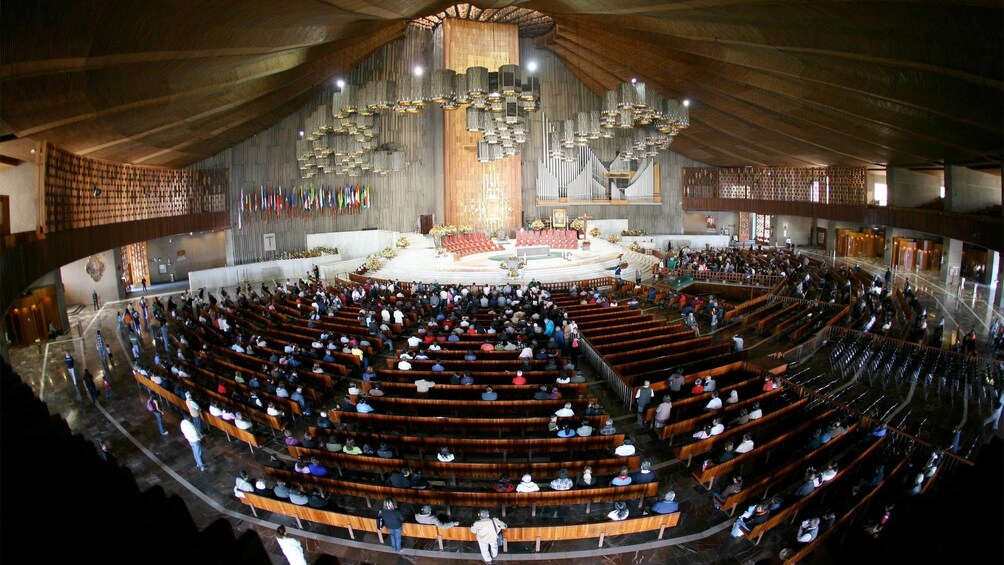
column 565, row 411
column 404, row 365
column 195, row 411
column 414, row 342
column 756, row 412
column 746, row 445
column 717, row 427
column 737, row 343
column 194, row 437
column 715, row 403
column 625, row 449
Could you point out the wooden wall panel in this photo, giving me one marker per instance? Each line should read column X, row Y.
column 476, row 44
column 82, row 192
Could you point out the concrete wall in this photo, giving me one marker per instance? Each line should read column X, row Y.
column 909, row 189
column 799, row 229
column 19, row 183
column 968, row 190
column 353, row 244
column 266, row 271
column 202, row 251
column 78, row 284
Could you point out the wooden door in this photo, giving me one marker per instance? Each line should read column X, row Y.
column 425, row 223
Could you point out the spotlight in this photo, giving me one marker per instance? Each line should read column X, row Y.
column 301, row 133
column 97, row 191
column 686, row 102
column 418, row 70
column 634, row 80
column 531, row 66
column 340, row 83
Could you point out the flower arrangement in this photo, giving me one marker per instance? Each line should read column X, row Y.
column 443, row 229
column 594, row 231
column 614, row 238
column 306, row 254
column 402, row 242
column 634, row 233
column 635, row 246
column 388, row 253
column 577, row 224
column 537, row 224
column 465, row 228
column 373, row 263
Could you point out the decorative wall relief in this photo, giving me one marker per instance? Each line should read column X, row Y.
column 95, row 267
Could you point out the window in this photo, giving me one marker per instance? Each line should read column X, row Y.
column 942, row 191
column 814, row 191
column 880, row 195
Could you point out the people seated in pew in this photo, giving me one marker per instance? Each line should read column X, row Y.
column 527, row 484
column 503, row 484
column 734, row 486
column 622, row 479
column 562, row 482
column 667, row 505
column 754, row 514
column 425, row 516
column 746, row 445
column 620, row 511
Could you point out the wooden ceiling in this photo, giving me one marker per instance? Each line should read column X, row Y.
column 908, row 83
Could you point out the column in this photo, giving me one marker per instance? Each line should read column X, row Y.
column 993, row 275
column 831, row 236
column 952, row 248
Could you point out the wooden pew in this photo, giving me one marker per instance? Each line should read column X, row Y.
column 247, row 436
column 504, row 447
column 698, row 447
column 464, row 425
column 478, row 499
column 487, row 470
column 514, row 533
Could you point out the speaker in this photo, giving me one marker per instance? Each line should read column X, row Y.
column 368, row 229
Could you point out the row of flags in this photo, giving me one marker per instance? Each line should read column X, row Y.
column 272, row 202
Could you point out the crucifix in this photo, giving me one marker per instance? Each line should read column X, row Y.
column 585, row 227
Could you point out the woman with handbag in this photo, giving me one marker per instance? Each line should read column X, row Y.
column 393, row 520
column 489, row 533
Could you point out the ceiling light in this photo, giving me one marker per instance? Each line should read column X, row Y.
column 531, row 66
column 686, row 102
column 301, row 133
column 633, row 80
column 340, row 83
column 418, row 70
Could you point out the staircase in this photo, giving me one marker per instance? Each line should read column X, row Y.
column 638, row 262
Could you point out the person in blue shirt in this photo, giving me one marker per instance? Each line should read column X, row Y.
column 566, row 431
column 363, row 407
column 470, row 356
column 489, row 394
column 438, row 367
column 667, row 505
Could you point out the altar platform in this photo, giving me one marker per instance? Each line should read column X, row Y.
column 556, row 265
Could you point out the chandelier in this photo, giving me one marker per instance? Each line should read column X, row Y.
column 490, row 208
column 496, row 102
column 343, row 141
column 654, row 122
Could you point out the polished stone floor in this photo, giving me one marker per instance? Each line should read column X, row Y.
column 702, row 536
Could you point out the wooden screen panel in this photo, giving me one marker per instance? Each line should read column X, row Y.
column 829, row 185
column 476, row 44
column 126, row 193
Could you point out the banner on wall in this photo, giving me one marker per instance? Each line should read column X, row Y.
column 266, row 203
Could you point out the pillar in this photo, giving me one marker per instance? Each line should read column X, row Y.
column 831, row 236
column 952, row 262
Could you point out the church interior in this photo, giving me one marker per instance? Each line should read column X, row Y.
column 732, row 269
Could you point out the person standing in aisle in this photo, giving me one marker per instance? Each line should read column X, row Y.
column 153, row 405
column 291, row 547
column 99, row 343
column 194, row 438
column 488, row 530
column 68, row 359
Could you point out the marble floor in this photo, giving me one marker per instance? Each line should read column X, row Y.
column 702, row 536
